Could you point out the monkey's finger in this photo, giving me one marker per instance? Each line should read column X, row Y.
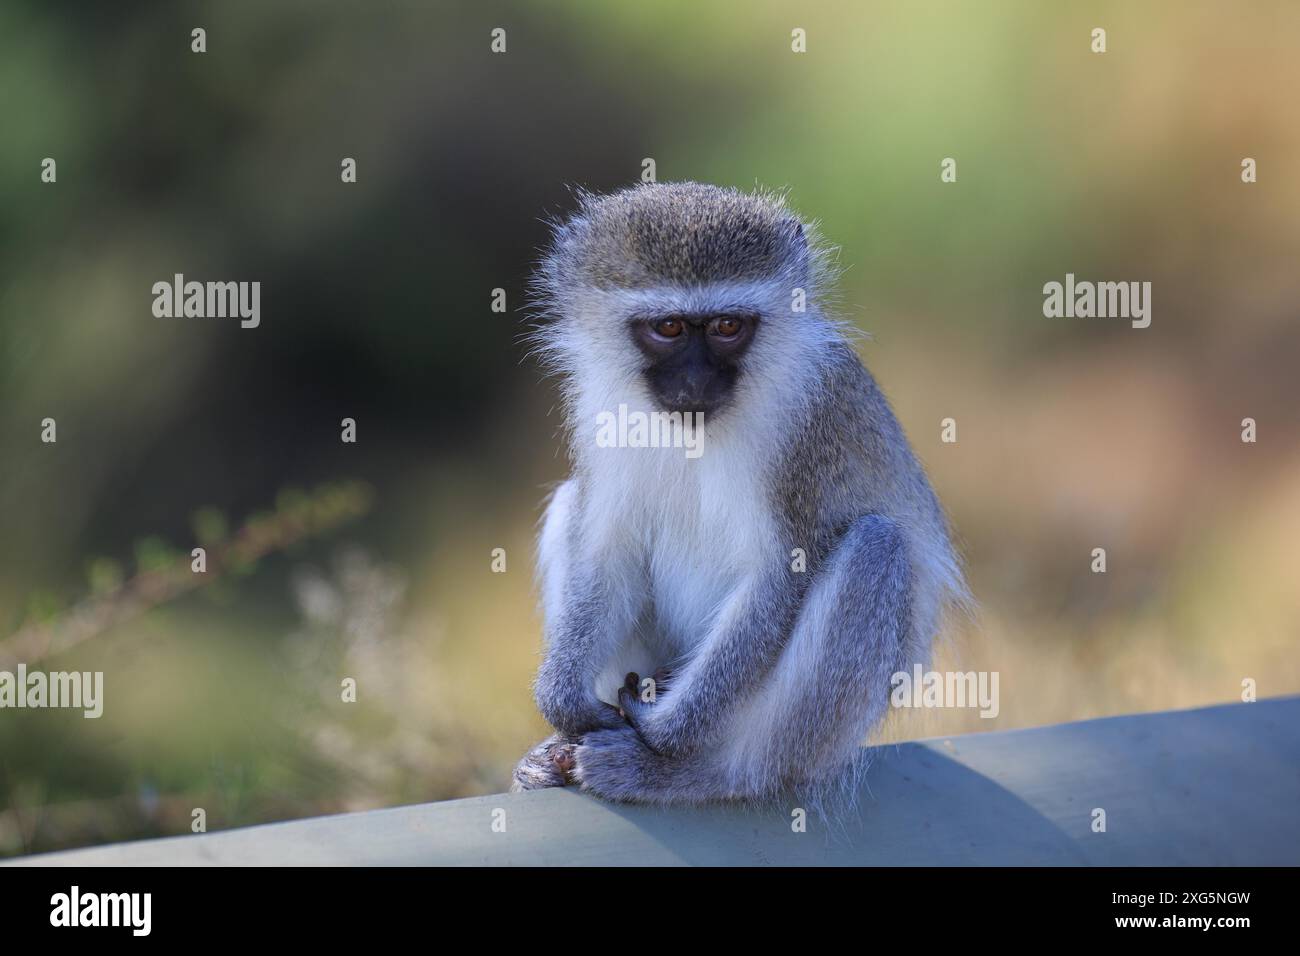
column 632, row 681
column 630, row 703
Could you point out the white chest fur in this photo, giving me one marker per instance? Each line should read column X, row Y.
column 693, row 531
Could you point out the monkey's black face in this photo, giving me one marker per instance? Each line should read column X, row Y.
column 694, row 360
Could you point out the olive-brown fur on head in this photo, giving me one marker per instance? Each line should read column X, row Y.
column 677, row 233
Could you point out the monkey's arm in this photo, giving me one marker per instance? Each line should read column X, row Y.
column 739, row 651
column 582, row 623
column 577, row 647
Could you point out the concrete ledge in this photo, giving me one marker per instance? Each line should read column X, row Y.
column 1212, row 787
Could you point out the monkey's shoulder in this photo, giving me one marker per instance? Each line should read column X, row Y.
column 849, row 456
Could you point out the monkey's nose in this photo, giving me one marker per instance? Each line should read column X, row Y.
column 695, row 389
column 690, row 402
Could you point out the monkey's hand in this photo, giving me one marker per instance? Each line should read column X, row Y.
column 637, row 698
column 549, row 764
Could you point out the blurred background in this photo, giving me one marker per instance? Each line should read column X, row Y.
column 373, row 560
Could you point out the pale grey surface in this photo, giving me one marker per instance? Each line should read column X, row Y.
column 1219, row 786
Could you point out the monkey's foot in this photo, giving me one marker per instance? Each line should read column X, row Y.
column 614, row 764
column 549, row 764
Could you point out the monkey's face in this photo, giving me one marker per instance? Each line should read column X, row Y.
column 693, row 361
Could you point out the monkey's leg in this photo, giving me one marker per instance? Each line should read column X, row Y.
column 831, row 687
column 546, row 765
column 804, row 723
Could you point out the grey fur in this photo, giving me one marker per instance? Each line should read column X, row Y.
column 782, row 693
column 684, row 232
column 546, row 765
column 819, row 731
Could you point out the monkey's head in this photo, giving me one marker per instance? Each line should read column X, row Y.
column 680, row 293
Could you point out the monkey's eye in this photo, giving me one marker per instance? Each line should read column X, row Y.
column 669, row 328
column 727, row 326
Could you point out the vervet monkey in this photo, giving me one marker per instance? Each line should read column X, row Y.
column 775, row 582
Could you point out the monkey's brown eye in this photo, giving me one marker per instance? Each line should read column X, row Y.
column 726, row 326
column 668, row 328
